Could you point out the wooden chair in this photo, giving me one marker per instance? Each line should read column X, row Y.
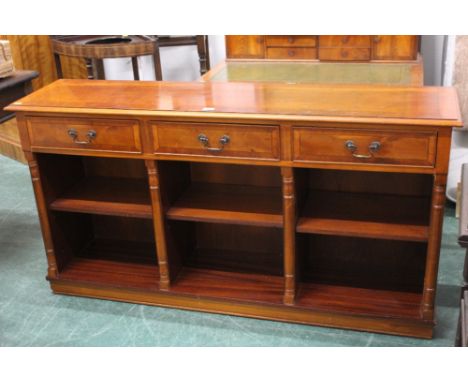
column 94, row 49
column 201, row 42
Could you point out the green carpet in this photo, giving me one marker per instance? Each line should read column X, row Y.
column 30, row 315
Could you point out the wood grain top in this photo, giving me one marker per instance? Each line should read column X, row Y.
column 299, row 102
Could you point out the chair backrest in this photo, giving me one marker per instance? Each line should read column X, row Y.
column 96, row 48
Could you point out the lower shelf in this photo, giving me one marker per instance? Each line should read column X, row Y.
column 229, row 285
column 359, row 301
column 115, row 263
column 266, row 263
column 130, row 265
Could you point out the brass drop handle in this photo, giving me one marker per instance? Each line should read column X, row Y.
column 74, row 134
column 372, row 148
column 224, row 140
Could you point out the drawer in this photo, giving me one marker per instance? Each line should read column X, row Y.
column 84, row 134
column 312, row 144
column 292, row 53
column 344, row 54
column 345, row 41
column 216, row 140
column 307, row 41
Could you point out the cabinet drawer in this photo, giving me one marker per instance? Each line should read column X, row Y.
column 307, row 41
column 84, row 134
column 292, row 53
column 345, row 41
column 361, row 146
column 216, row 140
column 345, row 54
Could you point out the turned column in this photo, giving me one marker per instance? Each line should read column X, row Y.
column 433, row 246
column 289, row 232
column 158, row 224
column 52, row 270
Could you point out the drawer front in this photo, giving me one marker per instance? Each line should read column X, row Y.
column 361, row 146
column 307, row 41
column 292, row 53
column 345, row 54
column 394, row 47
column 216, row 140
column 84, row 134
column 242, row 46
column 345, row 41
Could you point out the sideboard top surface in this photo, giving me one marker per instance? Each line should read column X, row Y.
column 310, row 102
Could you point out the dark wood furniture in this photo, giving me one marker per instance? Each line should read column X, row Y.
column 324, row 47
column 12, row 88
column 200, row 41
column 462, row 333
column 314, row 204
column 93, row 49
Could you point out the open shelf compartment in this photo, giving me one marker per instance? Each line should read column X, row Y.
column 218, row 193
column 361, row 275
column 238, row 262
column 364, row 204
column 105, row 250
column 117, row 187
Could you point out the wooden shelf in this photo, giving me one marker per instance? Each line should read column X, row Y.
column 373, row 302
column 226, row 203
column 366, row 215
column 107, row 196
column 238, row 261
column 229, row 285
column 115, row 263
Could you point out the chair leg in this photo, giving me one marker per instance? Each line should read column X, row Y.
column 98, row 69
column 136, row 74
column 89, row 68
column 157, row 62
column 203, row 53
column 58, row 65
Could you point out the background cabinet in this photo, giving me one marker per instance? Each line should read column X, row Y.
column 324, row 48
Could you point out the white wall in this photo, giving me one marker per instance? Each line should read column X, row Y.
column 179, row 63
column 432, row 51
column 449, row 60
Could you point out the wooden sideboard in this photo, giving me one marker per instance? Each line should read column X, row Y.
column 313, row 204
column 324, row 47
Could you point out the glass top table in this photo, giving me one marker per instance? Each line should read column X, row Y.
column 383, row 73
